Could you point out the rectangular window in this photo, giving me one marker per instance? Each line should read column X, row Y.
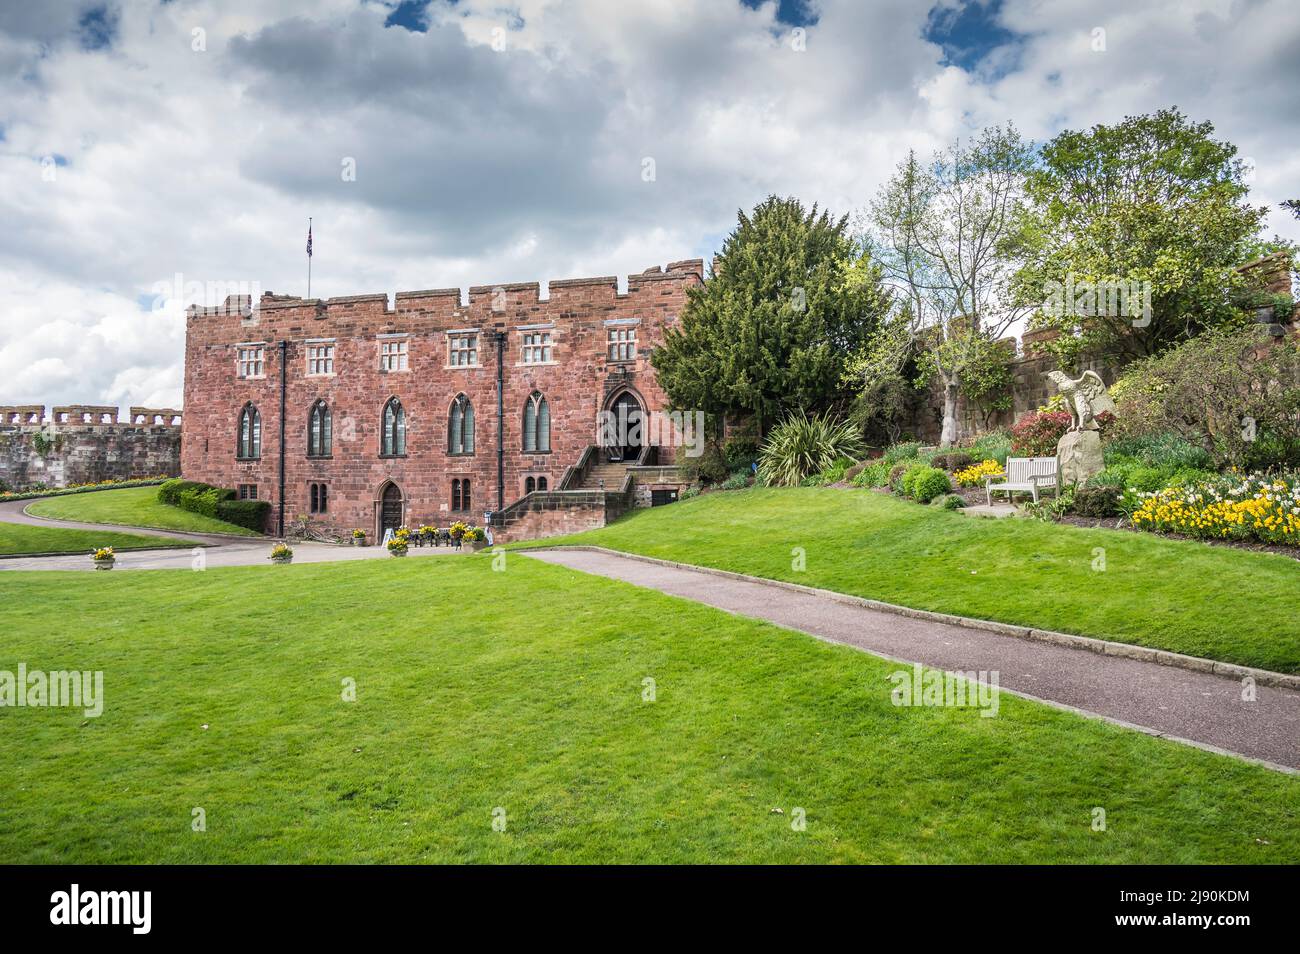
column 248, row 491
column 462, row 351
column 537, row 347
column 320, row 359
column 622, row 344
column 319, row 498
column 251, row 361
column 392, row 355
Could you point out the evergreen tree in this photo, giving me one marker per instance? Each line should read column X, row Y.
column 790, row 298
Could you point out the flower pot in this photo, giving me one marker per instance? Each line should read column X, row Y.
column 284, row 559
column 104, row 564
column 397, row 553
column 358, row 541
column 476, row 545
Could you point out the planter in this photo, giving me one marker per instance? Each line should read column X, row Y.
column 475, row 545
column 397, row 553
column 287, row 559
column 358, row 541
column 104, row 564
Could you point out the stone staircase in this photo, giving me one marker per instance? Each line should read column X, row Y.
column 605, row 475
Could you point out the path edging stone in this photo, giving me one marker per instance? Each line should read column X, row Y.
column 1163, row 657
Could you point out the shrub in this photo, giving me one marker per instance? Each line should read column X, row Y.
column 1222, row 391
column 1165, row 450
column 875, row 474
column 948, row 502
column 926, row 483
column 1037, row 434
column 249, row 514
column 1094, row 501
column 802, row 445
column 855, row 470
column 896, row 474
column 995, row 445
column 901, row 452
column 709, row 467
column 835, row 473
column 737, row 481
column 952, row 460
column 169, row 491
column 739, row 452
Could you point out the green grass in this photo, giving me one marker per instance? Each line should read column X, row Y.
column 134, row 507
column 17, row 538
column 1189, row 597
column 523, row 690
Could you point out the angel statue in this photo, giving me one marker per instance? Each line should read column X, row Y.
column 1086, row 397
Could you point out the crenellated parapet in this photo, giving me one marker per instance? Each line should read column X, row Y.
column 156, row 416
column 86, row 415
column 447, row 303
column 32, row 415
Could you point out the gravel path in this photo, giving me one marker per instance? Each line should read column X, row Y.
column 1202, row 708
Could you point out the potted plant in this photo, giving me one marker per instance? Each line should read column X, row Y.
column 104, row 558
column 457, row 530
column 397, row 545
column 475, row 538
column 358, row 538
column 282, row 553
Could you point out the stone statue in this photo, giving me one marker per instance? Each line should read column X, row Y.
column 1078, row 453
column 1086, row 397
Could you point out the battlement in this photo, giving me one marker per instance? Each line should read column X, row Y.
column 447, row 302
column 87, row 415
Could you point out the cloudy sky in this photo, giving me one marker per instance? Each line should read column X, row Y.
column 152, row 150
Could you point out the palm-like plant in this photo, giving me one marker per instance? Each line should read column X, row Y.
column 801, row 445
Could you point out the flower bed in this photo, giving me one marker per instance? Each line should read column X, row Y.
column 83, row 488
column 974, row 476
column 1263, row 509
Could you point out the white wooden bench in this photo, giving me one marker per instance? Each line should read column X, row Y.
column 1025, row 475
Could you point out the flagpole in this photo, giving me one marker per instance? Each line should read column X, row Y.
column 309, row 256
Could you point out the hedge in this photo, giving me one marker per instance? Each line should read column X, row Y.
column 249, row 514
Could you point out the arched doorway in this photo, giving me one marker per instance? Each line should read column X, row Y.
column 627, row 433
column 390, row 508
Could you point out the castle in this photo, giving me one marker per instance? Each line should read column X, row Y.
column 358, row 414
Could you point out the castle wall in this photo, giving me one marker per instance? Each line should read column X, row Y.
column 577, row 384
column 83, row 444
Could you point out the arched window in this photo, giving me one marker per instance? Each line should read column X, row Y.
column 537, row 424
column 250, row 433
column 530, row 485
column 541, row 483
column 320, row 431
column 460, row 427
column 460, row 495
column 393, row 440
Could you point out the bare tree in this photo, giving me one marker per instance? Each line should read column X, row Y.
column 946, row 235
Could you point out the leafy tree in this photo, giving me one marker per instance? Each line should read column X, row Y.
column 791, row 296
column 1152, row 203
column 946, row 235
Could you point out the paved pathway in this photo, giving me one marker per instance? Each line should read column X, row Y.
column 1202, row 708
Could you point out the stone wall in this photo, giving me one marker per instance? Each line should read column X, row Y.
column 84, row 443
column 579, row 381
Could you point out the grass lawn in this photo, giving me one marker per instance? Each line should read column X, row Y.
column 523, row 690
column 1189, row 597
column 135, row 506
column 16, row 538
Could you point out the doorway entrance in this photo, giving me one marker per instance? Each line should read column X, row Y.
column 629, row 423
column 390, row 508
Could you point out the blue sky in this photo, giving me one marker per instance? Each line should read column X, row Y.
column 157, row 153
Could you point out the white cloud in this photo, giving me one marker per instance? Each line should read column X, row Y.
column 476, row 166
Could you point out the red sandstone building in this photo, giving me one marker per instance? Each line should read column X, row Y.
column 432, row 410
